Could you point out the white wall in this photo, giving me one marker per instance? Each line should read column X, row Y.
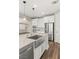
column 57, row 27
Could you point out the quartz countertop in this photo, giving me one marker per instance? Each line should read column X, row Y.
column 24, row 41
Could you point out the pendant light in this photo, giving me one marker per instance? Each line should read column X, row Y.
column 24, row 2
column 55, row 2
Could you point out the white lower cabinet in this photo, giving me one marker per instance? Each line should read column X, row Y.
column 37, row 52
column 43, row 48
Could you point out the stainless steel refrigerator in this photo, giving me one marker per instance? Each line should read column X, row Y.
column 49, row 28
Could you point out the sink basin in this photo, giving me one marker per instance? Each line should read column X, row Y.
column 35, row 37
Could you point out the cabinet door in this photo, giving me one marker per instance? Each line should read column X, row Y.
column 42, row 48
column 37, row 53
column 46, row 42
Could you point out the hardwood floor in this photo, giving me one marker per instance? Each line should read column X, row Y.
column 53, row 52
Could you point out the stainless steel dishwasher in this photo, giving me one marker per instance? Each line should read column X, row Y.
column 27, row 53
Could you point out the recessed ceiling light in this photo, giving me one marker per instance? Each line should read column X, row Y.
column 24, row 1
column 33, row 8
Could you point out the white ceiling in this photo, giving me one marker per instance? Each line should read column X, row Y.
column 42, row 7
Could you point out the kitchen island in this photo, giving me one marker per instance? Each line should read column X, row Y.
column 34, row 47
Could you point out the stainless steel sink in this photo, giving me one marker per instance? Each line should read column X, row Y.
column 35, row 37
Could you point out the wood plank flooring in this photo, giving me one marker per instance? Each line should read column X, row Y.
column 53, row 52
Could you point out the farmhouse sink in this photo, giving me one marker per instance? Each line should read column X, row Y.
column 38, row 40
